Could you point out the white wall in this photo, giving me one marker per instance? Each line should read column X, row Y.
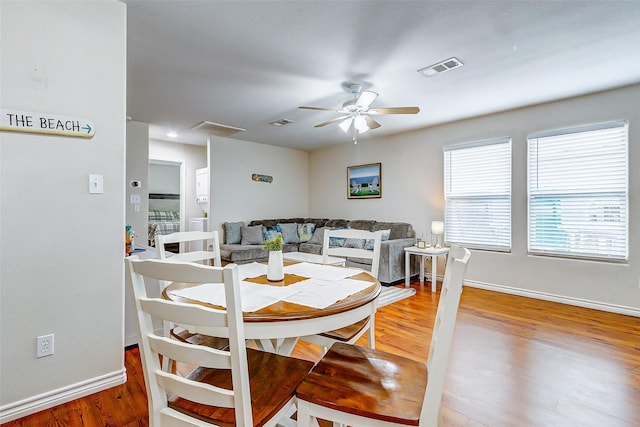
column 192, row 157
column 61, row 247
column 412, row 191
column 235, row 197
column 137, row 165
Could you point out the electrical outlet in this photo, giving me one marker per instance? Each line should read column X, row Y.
column 44, row 345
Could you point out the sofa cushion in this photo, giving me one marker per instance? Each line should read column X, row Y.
column 305, row 231
column 318, row 236
column 252, row 235
column 233, row 232
column 337, row 223
column 319, row 222
column 289, row 232
column 361, row 224
column 355, row 243
column 310, row 248
column 264, row 222
column 399, row 230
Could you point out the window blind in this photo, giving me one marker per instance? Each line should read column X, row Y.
column 477, row 194
column 578, row 192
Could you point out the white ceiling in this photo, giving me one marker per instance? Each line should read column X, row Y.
column 248, row 63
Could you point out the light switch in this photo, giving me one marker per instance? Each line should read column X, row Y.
column 96, row 184
column 134, row 198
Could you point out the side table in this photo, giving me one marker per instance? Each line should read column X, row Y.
column 432, row 252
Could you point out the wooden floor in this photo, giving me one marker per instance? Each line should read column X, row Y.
column 515, row 362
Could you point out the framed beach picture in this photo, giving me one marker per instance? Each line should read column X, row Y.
column 364, row 181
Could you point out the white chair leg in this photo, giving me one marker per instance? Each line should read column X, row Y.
column 372, row 332
column 304, row 415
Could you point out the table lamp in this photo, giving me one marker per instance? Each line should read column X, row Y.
column 437, row 229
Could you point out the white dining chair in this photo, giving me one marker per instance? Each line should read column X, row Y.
column 363, row 245
column 208, row 240
column 237, row 386
column 359, row 386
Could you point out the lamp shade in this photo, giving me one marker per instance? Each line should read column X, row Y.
column 437, row 227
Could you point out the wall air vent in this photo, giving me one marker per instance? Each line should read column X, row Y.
column 216, row 129
column 441, row 67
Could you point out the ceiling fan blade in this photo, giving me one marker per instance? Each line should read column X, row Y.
column 328, row 122
column 365, row 99
column 304, row 107
column 371, row 123
column 395, row 110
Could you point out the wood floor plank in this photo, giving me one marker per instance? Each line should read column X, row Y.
column 516, row 362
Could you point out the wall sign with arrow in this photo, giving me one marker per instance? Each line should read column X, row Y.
column 45, row 123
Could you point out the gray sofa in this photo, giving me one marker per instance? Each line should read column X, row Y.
column 242, row 243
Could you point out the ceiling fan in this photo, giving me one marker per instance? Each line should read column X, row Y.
column 357, row 114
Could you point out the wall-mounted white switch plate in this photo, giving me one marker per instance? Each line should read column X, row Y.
column 134, row 198
column 96, row 184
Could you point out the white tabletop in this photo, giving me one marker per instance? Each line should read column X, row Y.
column 306, row 257
column 432, row 250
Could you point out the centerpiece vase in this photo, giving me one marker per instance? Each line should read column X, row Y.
column 275, row 267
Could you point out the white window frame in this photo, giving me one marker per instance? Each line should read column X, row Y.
column 578, row 192
column 477, row 192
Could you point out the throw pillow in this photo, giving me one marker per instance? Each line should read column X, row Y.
column 385, row 236
column 252, row 235
column 337, row 242
column 270, row 233
column 355, row 243
column 305, row 231
column 289, row 232
column 233, row 232
column 318, row 236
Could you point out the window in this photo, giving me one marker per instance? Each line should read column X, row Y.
column 477, row 192
column 578, row 192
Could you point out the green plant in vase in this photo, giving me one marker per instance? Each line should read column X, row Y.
column 275, row 267
column 273, row 244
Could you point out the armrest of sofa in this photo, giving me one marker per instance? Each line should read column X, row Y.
column 391, row 268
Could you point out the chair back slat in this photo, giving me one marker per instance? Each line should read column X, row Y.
column 188, row 314
column 209, row 239
column 442, row 336
column 170, row 271
column 195, row 391
column 361, row 238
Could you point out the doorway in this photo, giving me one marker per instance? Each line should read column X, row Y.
column 166, row 204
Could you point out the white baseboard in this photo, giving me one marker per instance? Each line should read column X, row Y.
column 612, row 308
column 31, row 405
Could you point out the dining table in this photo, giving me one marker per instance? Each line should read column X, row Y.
column 311, row 299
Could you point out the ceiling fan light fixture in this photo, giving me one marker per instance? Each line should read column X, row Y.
column 365, row 99
column 361, row 124
column 346, row 124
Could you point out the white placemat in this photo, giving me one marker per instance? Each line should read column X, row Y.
column 253, row 296
column 320, row 293
column 253, row 269
column 321, row 271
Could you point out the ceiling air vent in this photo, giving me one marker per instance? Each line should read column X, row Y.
column 282, row 122
column 441, row 67
column 216, row 129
